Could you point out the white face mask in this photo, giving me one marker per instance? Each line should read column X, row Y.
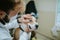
column 13, row 18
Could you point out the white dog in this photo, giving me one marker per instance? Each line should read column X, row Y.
column 27, row 25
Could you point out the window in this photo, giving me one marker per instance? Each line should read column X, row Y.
column 58, row 14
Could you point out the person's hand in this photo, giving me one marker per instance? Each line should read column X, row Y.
column 24, row 19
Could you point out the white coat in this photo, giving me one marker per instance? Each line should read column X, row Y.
column 4, row 29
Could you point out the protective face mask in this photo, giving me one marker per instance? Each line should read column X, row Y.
column 13, row 18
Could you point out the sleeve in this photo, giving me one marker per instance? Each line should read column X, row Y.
column 13, row 24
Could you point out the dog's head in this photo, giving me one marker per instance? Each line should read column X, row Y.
column 30, row 20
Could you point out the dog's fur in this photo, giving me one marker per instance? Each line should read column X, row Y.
column 17, row 31
column 16, row 34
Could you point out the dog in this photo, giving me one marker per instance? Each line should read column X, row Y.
column 33, row 25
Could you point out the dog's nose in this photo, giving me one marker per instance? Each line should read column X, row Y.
column 36, row 26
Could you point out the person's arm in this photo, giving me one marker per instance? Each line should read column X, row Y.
column 13, row 24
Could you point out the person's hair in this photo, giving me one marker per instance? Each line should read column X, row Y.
column 6, row 5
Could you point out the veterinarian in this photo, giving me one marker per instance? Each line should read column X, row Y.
column 8, row 9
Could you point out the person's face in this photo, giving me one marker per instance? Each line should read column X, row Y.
column 18, row 8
